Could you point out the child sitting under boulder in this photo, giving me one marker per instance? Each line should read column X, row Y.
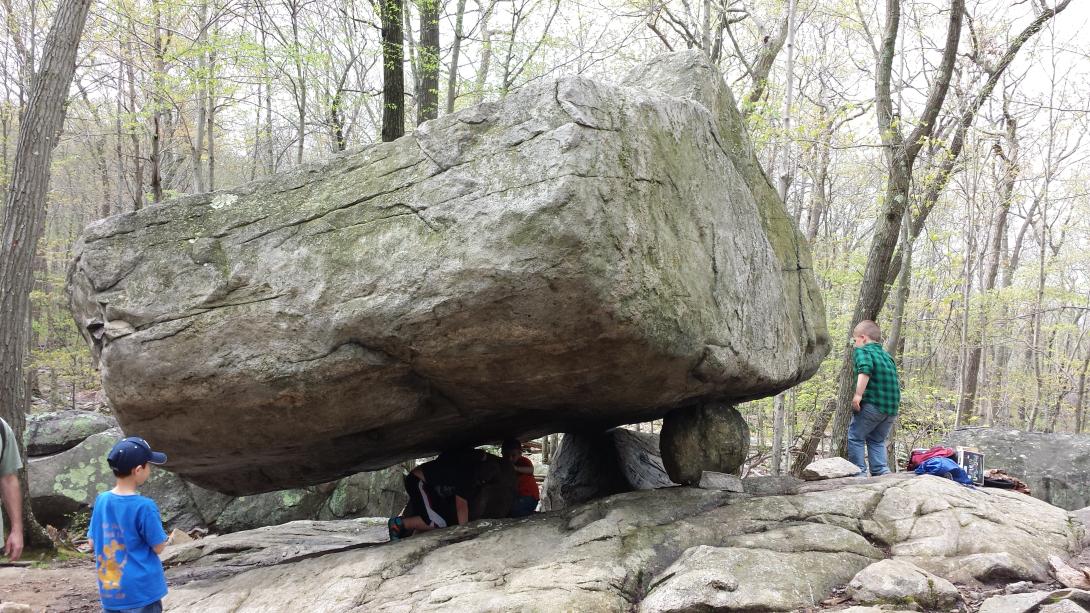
column 454, row 488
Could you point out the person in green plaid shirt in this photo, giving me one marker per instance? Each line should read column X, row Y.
column 877, row 398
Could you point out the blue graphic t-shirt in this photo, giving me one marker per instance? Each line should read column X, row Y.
column 124, row 529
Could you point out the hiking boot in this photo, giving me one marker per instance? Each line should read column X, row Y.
column 397, row 529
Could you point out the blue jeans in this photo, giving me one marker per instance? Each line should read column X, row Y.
column 869, row 428
column 524, row 505
column 155, row 607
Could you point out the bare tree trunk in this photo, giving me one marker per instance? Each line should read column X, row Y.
column 134, row 138
column 393, row 71
column 159, row 104
column 210, row 117
column 785, row 180
column 24, row 221
column 455, row 53
column 486, row 49
column 901, row 153
column 201, row 100
column 813, row 440
column 1035, row 341
column 99, row 155
column 119, row 151
column 993, row 251
column 777, row 432
column 904, row 285
column 967, row 387
column 762, row 65
column 300, row 87
column 1080, row 400
column 270, row 147
column 427, row 96
column 336, row 121
column 819, row 201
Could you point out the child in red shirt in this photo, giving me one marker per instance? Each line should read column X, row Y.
column 527, row 495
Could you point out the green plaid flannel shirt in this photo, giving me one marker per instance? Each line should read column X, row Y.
column 883, row 390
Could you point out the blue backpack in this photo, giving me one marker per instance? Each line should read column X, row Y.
column 944, row 467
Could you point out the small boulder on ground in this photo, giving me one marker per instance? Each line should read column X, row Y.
column 829, row 468
column 900, row 582
column 1060, row 601
column 721, row 481
column 710, row 436
column 57, row 431
column 761, row 572
column 178, row 537
column 1063, row 606
column 1068, row 575
column 222, row 555
column 1083, row 515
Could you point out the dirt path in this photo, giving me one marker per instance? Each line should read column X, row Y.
column 67, row 587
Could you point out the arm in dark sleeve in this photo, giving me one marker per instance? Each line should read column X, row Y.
column 864, row 365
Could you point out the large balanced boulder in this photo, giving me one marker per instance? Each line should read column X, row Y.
column 1055, row 466
column 68, row 482
column 576, row 255
column 672, row 549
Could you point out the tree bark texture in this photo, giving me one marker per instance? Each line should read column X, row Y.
column 393, row 71
column 455, row 53
column 762, row 65
column 24, row 218
column 486, row 50
column 428, row 96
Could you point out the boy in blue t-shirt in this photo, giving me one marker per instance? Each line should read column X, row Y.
column 127, row 534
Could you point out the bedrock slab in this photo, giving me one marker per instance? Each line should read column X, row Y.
column 676, row 549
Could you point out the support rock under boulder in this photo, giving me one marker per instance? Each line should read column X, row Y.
column 710, row 437
column 587, row 466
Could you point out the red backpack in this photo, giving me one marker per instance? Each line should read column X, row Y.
column 919, row 456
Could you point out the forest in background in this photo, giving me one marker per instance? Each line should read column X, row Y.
column 984, row 300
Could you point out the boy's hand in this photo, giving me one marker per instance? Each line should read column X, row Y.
column 860, row 386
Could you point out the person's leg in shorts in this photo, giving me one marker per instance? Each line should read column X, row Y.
column 424, row 501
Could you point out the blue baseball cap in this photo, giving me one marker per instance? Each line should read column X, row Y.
column 131, row 452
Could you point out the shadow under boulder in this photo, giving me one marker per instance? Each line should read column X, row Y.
column 68, row 482
column 587, row 466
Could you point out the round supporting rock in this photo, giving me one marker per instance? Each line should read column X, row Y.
column 711, row 437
